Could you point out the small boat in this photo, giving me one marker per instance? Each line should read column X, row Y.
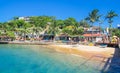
column 103, row 45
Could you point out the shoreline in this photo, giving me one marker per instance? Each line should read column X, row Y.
column 88, row 52
column 94, row 52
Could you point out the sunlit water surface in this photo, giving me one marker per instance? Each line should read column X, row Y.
column 36, row 59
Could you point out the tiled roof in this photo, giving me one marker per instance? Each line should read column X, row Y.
column 91, row 35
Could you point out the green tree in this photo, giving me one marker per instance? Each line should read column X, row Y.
column 40, row 21
column 35, row 30
column 93, row 16
column 25, row 27
column 60, row 24
column 70, row 21
column 110, row 15
column 116, row 32
column 84, row 23
column 12, row 25
column 10, row 34
column 71, row 30
column 80, row 31
column 6, row 27
column 53, row 26
column 1, row 26
column 68, row 30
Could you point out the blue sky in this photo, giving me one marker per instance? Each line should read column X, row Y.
column 62, row 9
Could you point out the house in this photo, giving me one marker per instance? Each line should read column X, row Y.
column 26, row 19
column 93, row 34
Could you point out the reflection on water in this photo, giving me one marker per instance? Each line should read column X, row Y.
column 35, row 59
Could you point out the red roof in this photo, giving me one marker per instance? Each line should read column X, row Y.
column 91, row 35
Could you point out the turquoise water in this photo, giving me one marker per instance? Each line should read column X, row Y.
column 35, row 59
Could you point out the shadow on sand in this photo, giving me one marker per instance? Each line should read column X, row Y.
column 112, row 64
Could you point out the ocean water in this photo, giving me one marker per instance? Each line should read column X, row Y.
column 36, row 59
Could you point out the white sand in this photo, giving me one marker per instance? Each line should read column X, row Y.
column 85, row 48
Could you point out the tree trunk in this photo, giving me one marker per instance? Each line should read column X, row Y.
column 92, row 32
column 25, row 35
column 110, row 32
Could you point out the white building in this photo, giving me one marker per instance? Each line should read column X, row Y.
column 26, row 19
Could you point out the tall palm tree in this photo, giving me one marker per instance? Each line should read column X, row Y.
column 100, row 23
column 93, row 17
column 110, row 15
column 53, row 28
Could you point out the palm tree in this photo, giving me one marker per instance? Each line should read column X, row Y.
column 53, row 27
column 84, row 23
column 35, row 30
column 6, row 27
column 100, row 28
column 93, row 17
column 110, row 15
column 24, row 29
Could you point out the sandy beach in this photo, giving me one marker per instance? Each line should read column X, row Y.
column 93, row 52
column 89, row 52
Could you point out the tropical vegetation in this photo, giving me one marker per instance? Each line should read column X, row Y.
column 51, row 25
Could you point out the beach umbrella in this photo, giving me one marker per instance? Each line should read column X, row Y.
column 114, row 36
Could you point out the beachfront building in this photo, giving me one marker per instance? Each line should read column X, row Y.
column 62, row 38
column 75, row 38
column 93, row 34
